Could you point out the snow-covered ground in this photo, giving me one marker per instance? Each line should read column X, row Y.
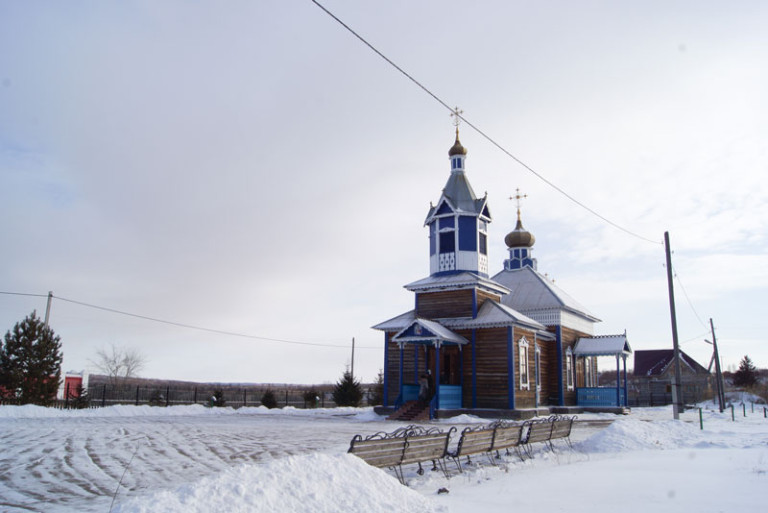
column 196, row 459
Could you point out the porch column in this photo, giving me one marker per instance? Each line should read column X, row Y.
column 474, row 370
column 385, row 398
column 510, row 367
column 626, row 397
column 437, row 374
column 618, row 382
column 559, row 345
column 401, row 368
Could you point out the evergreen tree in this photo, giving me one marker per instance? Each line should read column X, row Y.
column 746, row 376
column 347, row 391
column 30, row 362
column 376, row 394
column 268, row 399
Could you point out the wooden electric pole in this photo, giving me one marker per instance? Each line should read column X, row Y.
column 718, row 371
column 48, row 308
column 677, row 383
column 352, row 371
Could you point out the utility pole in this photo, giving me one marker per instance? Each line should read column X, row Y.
column 718, row 371
column 48, row 308
column 676, row 395
column 353, row 359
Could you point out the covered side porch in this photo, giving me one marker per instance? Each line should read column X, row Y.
column 614, row 346
column 437, row 357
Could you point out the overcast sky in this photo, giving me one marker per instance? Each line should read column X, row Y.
column 251, row 167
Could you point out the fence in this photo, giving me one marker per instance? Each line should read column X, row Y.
column 108, row 395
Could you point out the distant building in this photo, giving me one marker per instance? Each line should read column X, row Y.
column 653, row 373
column 507, row 343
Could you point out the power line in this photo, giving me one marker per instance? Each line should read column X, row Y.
column 479, row 131
column 22, row 294
column 183, row 325
column 687, row 298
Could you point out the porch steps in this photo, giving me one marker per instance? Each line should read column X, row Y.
column 412, row 410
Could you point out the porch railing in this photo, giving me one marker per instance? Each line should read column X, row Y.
column 598, row 396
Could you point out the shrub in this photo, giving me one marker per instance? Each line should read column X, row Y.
column 268, row 399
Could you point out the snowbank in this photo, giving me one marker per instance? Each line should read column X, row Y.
column 314, row 483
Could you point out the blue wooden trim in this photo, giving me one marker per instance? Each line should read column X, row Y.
column 401, row 368
column 409, row 393
column 416, row 363
column 560, row 390
column 625, row 381
column 618, row 382
column 596, row 396
column 437, row 376
column 450, row 397
column 416, row 304
column 510, row 376
column 474, row 303
column 385, row 399
column 461, row 373
column 474, row 370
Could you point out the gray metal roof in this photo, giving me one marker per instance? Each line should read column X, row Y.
column 460, row 196
column 492, row 315
column 604, row 345
column 435, row 331
column 456, row 281
column 397, row 323
column 531, row 291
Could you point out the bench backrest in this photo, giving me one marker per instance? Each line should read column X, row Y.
column 539, row 431
column 509, row 435
column 387, row 452
column 474, row 440
column 561, row 427
column 426, row 447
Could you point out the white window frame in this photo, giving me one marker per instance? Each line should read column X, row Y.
column 522, row 351
column 588, row 372
column 569, row 366
column 537, row 366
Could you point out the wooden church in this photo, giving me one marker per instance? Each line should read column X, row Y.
column 504, row 345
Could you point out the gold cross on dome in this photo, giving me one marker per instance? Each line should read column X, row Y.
column 517, row 197
column 456, row 115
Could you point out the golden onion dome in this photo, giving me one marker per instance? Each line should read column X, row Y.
column 457, row 148
column 519, row 237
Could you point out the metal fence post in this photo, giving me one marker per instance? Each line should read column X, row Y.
column 167, row 395
column 733, row 416
column 195, row 395
column 137, row 395
column 66, row 396
column 245, row 397
column 744, row 407
column 701, row 420
column 104, row 396
column 286, row 397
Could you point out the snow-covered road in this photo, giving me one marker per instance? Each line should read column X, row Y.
column 191, row 459
column 73, row 463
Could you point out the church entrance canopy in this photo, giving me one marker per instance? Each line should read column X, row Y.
column 609, row 345
column 434, row 337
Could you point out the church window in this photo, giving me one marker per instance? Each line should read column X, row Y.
column 433, row 238
column 447, row 242
column 523, row 353
column 483, row 244
column 467, row 233
column 537, row 366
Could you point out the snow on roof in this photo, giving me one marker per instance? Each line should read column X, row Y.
column 604, row 345
column 454, row 281
column 424, row 330
column 529, row 291
column 493, row 314
column 397, row 323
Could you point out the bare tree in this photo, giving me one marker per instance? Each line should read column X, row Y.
column 119, row 363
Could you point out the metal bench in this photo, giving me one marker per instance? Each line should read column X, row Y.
column 510, row 435
column 474, row 440
column 407, row 445
column 546, row 430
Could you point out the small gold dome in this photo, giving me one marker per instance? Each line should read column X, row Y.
column 519, row 237
column 457, row 148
